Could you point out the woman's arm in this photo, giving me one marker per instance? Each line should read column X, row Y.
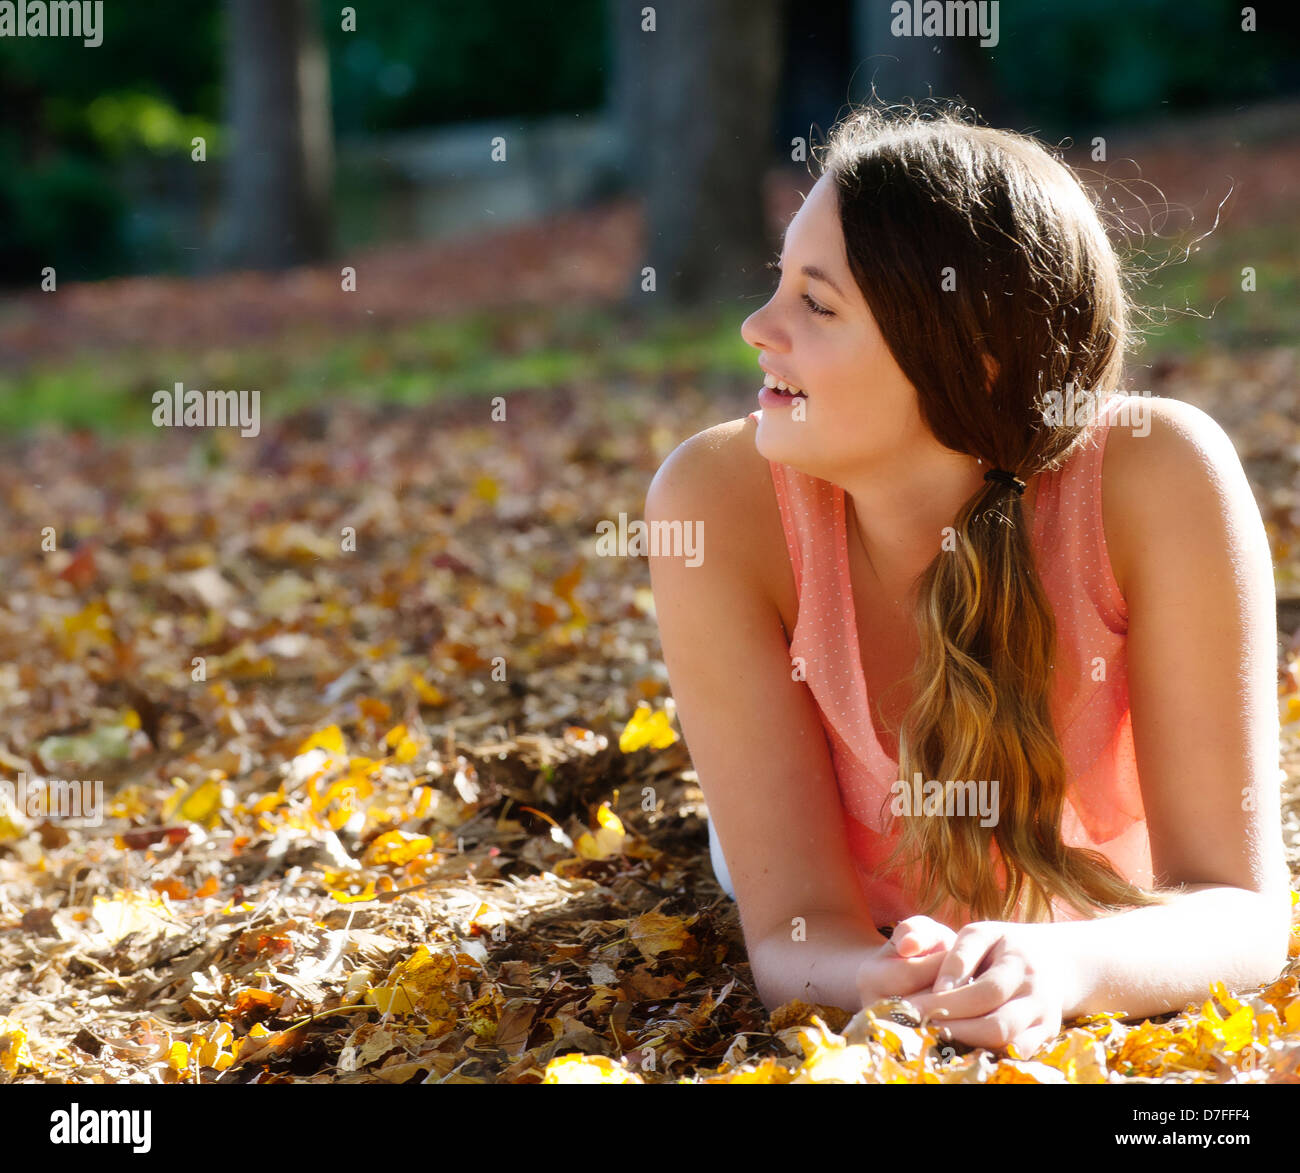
column 1202, row 666
column 1192, row 558
column 753, row 731
column 1153, row 960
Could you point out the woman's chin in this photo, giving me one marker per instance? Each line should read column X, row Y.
column 782, row 438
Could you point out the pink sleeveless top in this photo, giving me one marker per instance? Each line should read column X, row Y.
column 1103, row 808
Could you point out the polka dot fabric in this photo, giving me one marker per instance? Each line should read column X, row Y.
column 1089, row 702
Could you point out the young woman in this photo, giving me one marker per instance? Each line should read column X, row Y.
column 956, row 554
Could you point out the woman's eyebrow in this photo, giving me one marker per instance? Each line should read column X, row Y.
column 818, row 275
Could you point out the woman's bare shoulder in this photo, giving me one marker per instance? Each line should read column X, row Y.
column 1160, row 459
column 718, row 470
column 718, row 476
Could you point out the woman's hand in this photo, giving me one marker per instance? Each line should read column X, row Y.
column 906, row 963
column 1001, row 985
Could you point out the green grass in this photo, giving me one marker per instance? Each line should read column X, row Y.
column 474, row 354
column 1199, row 301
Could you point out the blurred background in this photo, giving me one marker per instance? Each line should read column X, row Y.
column 485, row 266
column 384, row 217
column 471, row 158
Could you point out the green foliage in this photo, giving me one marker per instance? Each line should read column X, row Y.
column 416, row 65
column 1119, row 59
column 124, row 121
column 75, row 115
column 150, row 46
column 60, row 211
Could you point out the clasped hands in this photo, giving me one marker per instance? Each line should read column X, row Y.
column 993, row 984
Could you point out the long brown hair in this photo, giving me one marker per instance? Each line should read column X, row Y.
column 970, row 242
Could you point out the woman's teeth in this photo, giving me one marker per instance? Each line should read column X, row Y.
column 771, row 381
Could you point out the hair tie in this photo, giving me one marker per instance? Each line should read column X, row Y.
column 1003, row 477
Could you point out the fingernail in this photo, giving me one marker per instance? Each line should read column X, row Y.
column 944, row 983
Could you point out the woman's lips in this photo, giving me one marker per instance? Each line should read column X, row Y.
column 771, row 397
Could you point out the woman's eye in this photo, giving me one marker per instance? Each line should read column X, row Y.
column 820, row 311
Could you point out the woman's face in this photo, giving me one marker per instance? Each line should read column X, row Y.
column 819, row 335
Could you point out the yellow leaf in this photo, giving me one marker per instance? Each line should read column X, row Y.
column 89, row 627
column 397, row 848
column 1226, row 1000
column 420, row 983
column 1079, row 1055
column 607, row 841
column 765, row 1071
column 386, row 998
column 829, row 1059
column 178, row 1058
column 131, row 913
column 14, row 1051
column 846, row 1064
column 404, row 747
column 653, row 933
column 574, row 1068
column 205, row 1052
column 129, row 802
column 268, row 801
column 428, row 694
column 171, row 804
column 567, row 583
column 487, row 917
column 13, row 823
column 483, row 1014
column 210, row 1049
column 203, row 804
column 1235, row 1031
column 564, row 586
column 330, row 739
column 1025, row 1071
column 344, row 898
column 608, row 819
column 647, row 728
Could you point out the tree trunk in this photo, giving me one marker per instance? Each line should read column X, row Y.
column 696, row 99
column 909, row 67
column 280, row 170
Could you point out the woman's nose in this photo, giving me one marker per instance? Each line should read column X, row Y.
column 756, row 330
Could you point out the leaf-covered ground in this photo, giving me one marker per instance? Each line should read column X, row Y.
column 393, row 788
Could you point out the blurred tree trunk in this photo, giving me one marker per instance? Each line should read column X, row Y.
column 280, row 173
column 921, row 67
column 696, row 100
